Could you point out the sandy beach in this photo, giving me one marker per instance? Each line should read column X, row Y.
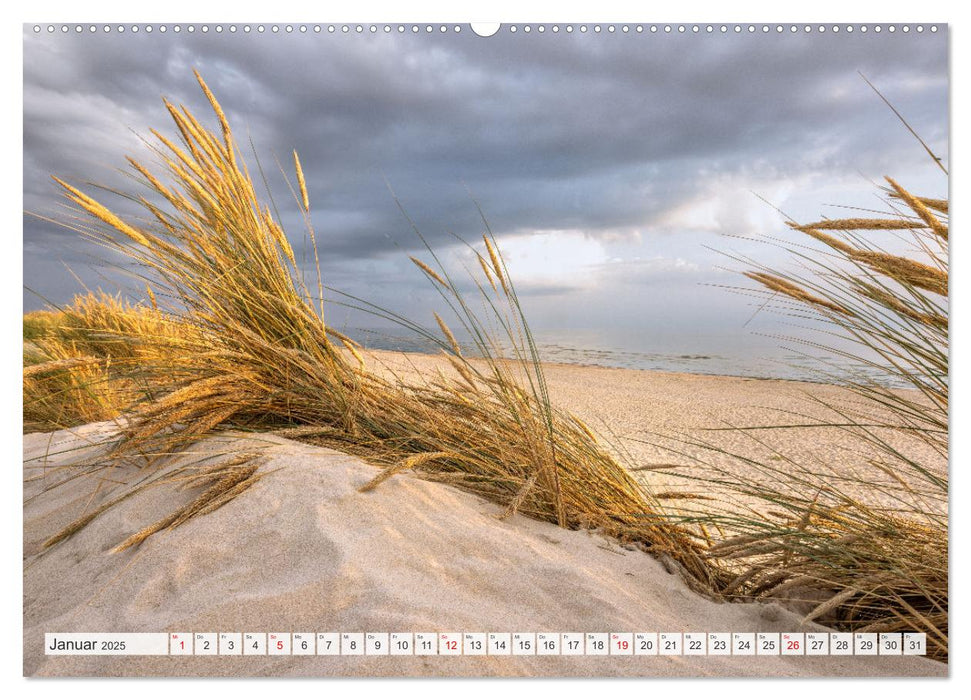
column 677, row 429
column 303, row 550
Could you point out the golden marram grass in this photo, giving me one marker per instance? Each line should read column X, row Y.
column 887, row 569
column 249, row 348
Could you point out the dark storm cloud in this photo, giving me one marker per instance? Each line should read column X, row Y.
column 603, row 134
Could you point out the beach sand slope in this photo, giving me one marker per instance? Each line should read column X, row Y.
column 304, row 551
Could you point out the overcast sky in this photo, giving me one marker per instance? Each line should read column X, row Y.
column 608, row 165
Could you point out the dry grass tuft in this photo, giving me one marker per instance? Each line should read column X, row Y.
column 879, row 568
column 81, row 362
column 245, row 344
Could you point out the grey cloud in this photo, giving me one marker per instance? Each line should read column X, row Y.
column 600, row 133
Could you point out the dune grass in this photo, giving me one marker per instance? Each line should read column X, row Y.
column 825, row 533
column 79, row 361
column 244, row 344
column 63, row 388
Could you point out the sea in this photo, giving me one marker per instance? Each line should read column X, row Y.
column 743, row 354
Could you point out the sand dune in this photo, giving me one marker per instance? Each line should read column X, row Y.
column 303, row 550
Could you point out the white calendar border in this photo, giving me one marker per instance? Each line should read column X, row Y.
column 509, row 10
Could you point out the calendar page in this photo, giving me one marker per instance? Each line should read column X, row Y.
column 545, row 349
